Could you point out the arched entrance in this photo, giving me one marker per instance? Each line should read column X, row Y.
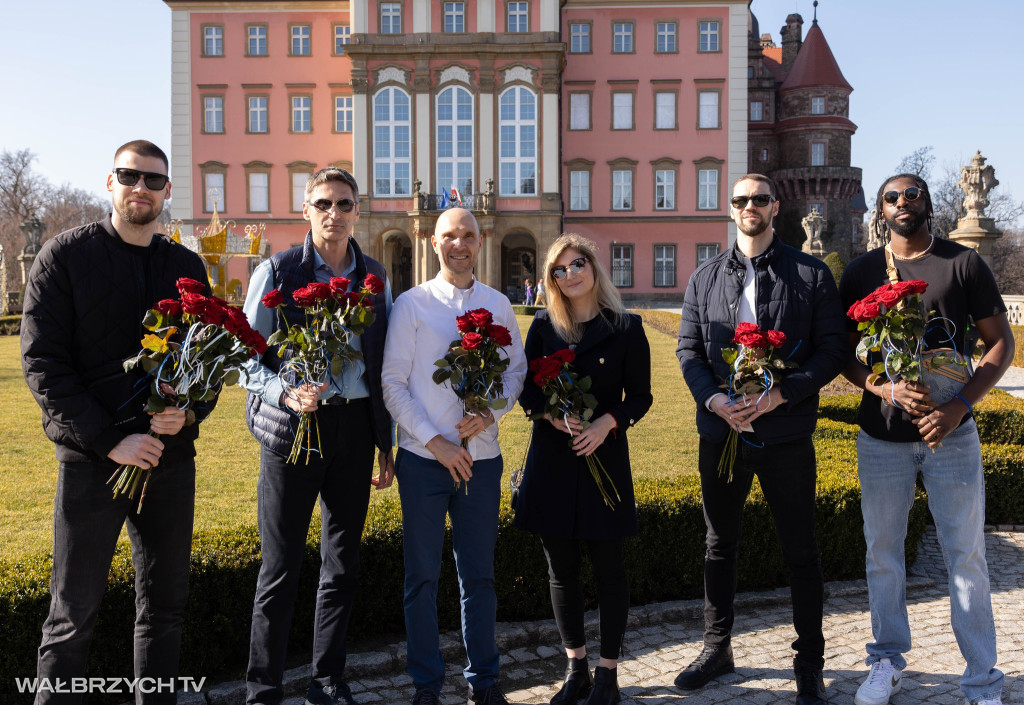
column 518, row 263
column 397, row 261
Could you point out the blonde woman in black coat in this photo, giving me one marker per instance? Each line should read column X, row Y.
column 558, row 498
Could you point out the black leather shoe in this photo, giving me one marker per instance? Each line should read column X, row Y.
column 810, row 687
column 577, row 683
column 333, row 694
column 714, row 661
column 606, row 687
column 424, row 696
column 487, row 696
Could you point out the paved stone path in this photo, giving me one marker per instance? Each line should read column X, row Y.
column 663, row 638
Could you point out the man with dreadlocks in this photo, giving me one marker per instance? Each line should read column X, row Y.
column 900, row 421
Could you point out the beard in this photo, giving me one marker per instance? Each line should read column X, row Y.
column 136, row 215
column 908, row 227
column 754, row 229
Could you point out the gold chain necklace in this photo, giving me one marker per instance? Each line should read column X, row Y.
column 931, row 244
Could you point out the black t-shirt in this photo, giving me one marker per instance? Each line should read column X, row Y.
column 960, row 288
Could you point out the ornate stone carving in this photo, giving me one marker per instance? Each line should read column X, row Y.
column 33, row 229
column 874, row 241
column 976, row 180
column 454, row 73
column 813, row 223
column 392, row 73
column 519, row 73
column 360, row 85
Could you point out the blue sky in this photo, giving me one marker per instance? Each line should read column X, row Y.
column 80, row 78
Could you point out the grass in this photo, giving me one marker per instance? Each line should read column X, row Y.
column 663, row 444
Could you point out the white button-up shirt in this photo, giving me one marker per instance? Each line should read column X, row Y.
column 420, row 329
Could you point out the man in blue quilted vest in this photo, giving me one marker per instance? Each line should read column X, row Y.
column 352, row 419
column 87, row 293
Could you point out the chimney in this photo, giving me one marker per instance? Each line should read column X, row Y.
column 792, row 40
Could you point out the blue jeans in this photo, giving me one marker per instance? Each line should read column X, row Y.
column 956, row 496
column 428, row 493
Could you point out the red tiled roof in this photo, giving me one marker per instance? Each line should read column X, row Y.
column 815, row 65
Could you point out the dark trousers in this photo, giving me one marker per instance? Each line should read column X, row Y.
column 787, row 473
column 567, row 591
column 86, row 524
column 286, row 495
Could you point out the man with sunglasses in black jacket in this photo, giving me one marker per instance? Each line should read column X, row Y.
column 765, row 282
column 87, row 293
column 352, row 419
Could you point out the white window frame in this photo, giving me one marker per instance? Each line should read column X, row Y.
column 454, row 17
column 816, row 206
column 342, row 36
column 257, row 33
column 299, row 179
column 579, row 190
column 579, row 37
column 707, row 189
column 213, row 40
column 622, row 37
column 213, row 114
column 756, row 111
column 392, row 169
column 818, row 152
column 519, row 10
column 301, row 35
column 622, row 265
column 665, row 189
column 522, row 157
column 667, row 37
column 622, row 110
column 302, row 114
column 710, row 38
column 622, row 190
column 705, row 251
column 818, row 105
column 454, row 150
column 213, row 180
column 707, row 110
column 391, row 18
column 258, row 114
column 343, row 113
column 664, row 265
column 579, row 111
column 665, row 110
column 259, row 191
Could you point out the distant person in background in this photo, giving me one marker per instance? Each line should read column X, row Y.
column 538, row 296
column 528, row 292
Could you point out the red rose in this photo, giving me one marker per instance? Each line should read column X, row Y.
column 236, row 323
column 868, row 310
column 545, row 369
column 215, row 312
column 499, row 334
column 565, row 355
column 353, row 298
column 339, row 285
column 273, row 299
column 374, row 284
column 480, row 317
column 917, row 286
column 472, row 341
column 256, row 343
column 319, row 290
column 888, row 296
column 852, row 311
column 776, row 338
column 304, row 297
column 169, row 307
column 191, row 286
column 463, row 323
column 194, row 304
column 745, row 329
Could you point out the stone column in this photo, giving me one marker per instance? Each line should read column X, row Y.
column 975, row 229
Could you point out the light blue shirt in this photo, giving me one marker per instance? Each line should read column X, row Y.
column 264, row 382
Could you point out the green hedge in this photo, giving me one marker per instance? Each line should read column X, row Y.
column 1018, row 339
column 10, row 325
column 524, row 310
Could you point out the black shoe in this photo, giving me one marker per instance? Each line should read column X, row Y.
column 487, row 696
column 606, row 687
column 810, row 687
column 714, row 661
column 333, row 694
column 426, row 697
column 577, row 683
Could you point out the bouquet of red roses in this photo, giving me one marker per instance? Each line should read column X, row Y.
column 891, row 321
column 567, row 395
column 323, row 344
column 751, row 372
column 195, row 345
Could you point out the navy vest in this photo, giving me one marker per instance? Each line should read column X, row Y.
column 294, row 269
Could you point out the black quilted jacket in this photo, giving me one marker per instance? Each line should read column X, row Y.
column 795, row 294
column 84, row 303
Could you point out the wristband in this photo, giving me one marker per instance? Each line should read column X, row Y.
column 970, row 409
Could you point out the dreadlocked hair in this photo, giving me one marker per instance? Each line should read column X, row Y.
column 881, row 229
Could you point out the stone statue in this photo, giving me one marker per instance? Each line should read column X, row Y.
column 813, row 223
column 33, row 229
column 874, row 241
column 976, row 180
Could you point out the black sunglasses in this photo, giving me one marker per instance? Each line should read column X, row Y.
column 324, row 205
column 561, row 271
column 130, row 177
column 760, row 200
column 911, row 193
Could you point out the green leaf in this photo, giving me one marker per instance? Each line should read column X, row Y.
column 154, row 405
column 878, row 368
column 499, row 403
column 231, row 378
column 590, row 401
column 441, row 363
column 337, row 364
column 277, row 337
column 729, row 355
column 440, row 376
column 584, row 384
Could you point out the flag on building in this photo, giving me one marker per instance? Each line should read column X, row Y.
column 444, row 199
column 456, row 196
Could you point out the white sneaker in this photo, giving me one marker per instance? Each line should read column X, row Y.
column 883, row 680
column 989, row 701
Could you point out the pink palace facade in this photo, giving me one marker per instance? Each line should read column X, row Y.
column 623, row 121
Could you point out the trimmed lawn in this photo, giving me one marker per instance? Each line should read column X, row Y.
column 663, row 444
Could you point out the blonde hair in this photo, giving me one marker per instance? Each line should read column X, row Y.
column 559, row 309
